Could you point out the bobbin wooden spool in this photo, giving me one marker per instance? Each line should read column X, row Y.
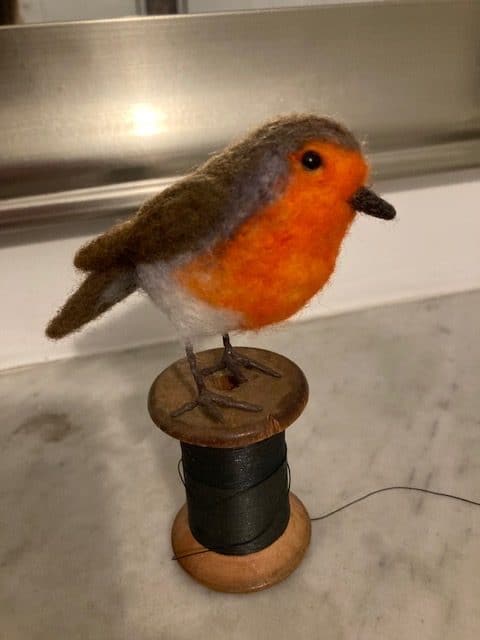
column 283, row 400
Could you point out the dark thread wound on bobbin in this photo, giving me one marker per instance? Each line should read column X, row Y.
column 237, row 498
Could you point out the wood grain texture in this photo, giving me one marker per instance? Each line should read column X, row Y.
column 244, row 574
column 283, row 400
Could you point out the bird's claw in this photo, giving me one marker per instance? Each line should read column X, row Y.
column 211, row 401
column 231, row 360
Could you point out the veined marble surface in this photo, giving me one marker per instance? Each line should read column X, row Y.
column 89, row 488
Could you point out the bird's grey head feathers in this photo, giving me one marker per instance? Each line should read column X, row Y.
column 291, row 132
column 255, row 169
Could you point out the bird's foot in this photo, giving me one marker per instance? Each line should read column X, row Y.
column 210, row 401
column 232, row 361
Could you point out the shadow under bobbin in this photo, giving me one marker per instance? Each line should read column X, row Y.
column 283, row 400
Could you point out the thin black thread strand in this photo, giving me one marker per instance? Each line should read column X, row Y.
column 192, row 553
column 394, row 488
column 180, row 472
column 356, row 501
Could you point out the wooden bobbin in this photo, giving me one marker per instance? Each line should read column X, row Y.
column 283, row 400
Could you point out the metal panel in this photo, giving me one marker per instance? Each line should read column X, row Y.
column 96, row 116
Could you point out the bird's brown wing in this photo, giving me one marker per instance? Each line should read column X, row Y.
column 178, row 220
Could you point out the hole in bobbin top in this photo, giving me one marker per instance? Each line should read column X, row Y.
column 223, row 381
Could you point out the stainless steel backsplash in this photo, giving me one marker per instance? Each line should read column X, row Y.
column 97, row 116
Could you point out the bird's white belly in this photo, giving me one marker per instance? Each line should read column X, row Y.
column 191, row 317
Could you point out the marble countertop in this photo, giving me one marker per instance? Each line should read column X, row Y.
column 89, row 488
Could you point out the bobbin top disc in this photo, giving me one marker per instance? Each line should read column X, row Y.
column 283, row 400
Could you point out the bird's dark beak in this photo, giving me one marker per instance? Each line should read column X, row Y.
column 368, row 202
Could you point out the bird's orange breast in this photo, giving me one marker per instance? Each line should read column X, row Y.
column 277, row 260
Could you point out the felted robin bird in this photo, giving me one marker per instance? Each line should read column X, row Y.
column 243, row 242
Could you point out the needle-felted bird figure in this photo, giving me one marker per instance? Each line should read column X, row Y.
column 243, row 242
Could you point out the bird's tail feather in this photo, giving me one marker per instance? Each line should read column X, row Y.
column 97, row 293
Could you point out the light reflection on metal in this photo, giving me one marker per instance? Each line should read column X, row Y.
column 147, row 121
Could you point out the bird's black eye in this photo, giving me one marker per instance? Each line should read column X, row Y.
column 312, row 160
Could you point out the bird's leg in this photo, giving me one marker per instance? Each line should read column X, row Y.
column 231, row 360
column 206, row 398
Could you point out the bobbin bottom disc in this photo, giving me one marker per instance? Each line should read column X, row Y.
column 242, row 574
